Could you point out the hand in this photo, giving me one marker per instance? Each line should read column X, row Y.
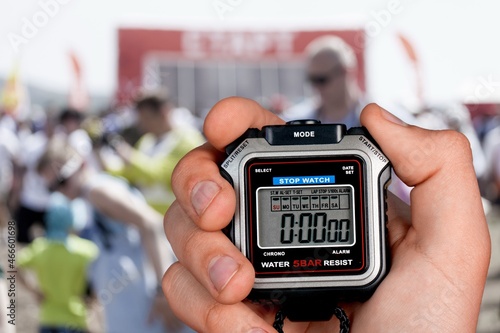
column 440, row 245
column 161, row 310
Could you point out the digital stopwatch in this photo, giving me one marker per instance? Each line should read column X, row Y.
column 310, row 214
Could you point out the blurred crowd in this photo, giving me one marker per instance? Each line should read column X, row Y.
column 88, row 191
column 88, row 194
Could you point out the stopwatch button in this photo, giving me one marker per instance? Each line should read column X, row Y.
column 249, row 133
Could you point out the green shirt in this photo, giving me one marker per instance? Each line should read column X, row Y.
column 61, row 271
column 152, row 163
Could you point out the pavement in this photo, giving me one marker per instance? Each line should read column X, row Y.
column 489, row 318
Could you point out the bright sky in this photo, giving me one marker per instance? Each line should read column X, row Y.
column 456, row 41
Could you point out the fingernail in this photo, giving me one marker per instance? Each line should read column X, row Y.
column 257, row 330
column 203, row 193
column 221, row 270
column 392, row 118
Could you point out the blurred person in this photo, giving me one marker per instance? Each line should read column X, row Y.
column 332, row 72
column 491, row 144
column 151, row 162
column 31, row 192
column 9, row 150
column 70, row 126
column 60, row 262
column 126, row 230
column 30, row 195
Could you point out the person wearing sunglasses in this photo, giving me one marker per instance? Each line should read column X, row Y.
column 332, row 72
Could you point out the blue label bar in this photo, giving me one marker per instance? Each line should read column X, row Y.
column 304, row 180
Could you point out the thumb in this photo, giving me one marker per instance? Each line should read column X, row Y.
column 416, row 153
column 445, row 202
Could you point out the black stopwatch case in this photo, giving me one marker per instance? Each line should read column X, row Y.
column 310, row 213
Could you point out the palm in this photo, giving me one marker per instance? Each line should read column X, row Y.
column 414, row 272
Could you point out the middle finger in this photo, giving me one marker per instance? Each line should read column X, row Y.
column 210, row 257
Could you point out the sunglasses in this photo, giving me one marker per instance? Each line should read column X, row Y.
column 322, row 79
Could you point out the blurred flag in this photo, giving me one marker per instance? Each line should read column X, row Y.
column 12, row 95
column 412, row 55
column 78, row 95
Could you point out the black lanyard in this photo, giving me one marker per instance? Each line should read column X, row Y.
column 279, row 320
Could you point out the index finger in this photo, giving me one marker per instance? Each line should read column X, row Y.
column 231, row 117
column 202, row 192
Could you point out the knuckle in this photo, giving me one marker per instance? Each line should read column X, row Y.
column 190, row 246
column 168, row 218
column 182, row 234
column 214, row 318
column 457, row 145
column 170, row 279
column 187, row 173
column 431, row 151
column 179, row 173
